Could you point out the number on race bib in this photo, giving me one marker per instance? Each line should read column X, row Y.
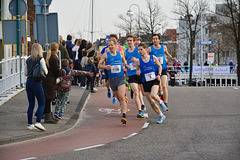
column 116, row 69
column 150, row 76
column 160, row 59
column 132, row 66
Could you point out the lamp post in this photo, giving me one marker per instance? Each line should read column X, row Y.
column 130, row 13
column 201, row 49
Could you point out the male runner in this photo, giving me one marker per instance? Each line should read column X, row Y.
column 114, row 65
column 151, row 79
column 160, row 51
column 133, row 79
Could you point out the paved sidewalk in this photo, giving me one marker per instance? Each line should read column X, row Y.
column 13, row 117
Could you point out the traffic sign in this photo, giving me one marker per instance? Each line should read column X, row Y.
column 13, row 7
column 48, row 2
column 9, row 33
column 52, row 28
column 205, row 42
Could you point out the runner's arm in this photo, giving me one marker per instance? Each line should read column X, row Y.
column 168, row 54
column 159, row 65
column 149, row 50
column 124, row 60
column 137, row 67
column 102, row 60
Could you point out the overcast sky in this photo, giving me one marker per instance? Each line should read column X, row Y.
column 73, row 15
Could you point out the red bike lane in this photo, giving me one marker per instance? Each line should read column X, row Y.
column 99, row 124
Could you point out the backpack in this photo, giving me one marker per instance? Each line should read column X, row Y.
column 38, row 71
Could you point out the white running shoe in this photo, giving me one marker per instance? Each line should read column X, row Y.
column 39, row 126
column 31, row 127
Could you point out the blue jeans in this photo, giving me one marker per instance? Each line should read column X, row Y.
column 35, row 89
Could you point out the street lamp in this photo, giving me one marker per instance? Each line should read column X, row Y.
column 130, row 13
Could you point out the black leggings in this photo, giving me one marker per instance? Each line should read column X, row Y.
column 47, row 108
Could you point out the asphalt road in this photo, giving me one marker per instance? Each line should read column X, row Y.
column 202, row 123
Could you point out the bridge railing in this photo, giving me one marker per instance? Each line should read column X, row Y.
column 10, row 74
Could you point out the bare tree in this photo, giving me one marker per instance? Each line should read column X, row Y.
column 126, row 24
column 229, row 15
column 191, row 11
column 152, row 19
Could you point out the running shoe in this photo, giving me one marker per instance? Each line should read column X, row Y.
column 129, row 87
column 143, row 107
column 160, row 119
column 56, row 114
column 60, row 116
column 109, row 94
column 124, row 120
column 114, row 100
column 39, row 126
column 31, row 127
column 140, row 115
column 164, row 108
column 126, row 99
column 166, row 105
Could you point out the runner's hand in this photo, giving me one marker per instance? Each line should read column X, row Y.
column 127, row 66
column 158, row 77
column 108, row 67
column 133, row 59
column 138, row 72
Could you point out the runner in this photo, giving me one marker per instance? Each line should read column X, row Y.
column 121, row 49
column 160, row 51
column 114, row 65
column 151, row 78
column 133, row 79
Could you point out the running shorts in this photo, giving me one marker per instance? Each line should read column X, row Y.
column 116, row 82
column 147, row 86
column 135, row 79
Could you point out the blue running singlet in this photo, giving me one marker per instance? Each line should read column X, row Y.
column 116, row 65
column 148, row 69
column 132, row 70
column 159, row 53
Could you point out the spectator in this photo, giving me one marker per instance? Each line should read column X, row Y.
column 34, row 87
column 172, row 74
column 205, row 64
column 198, row 63
column 64, row 88
column 76, row 61
column 63, row 50
column 90, row 67
column 83, row 63
column 90, row 49
column 69, row 46
column 49, row 83
column 185, row 65
column 231, row 66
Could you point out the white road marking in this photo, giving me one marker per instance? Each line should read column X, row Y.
column 145, row 125
column 80, row 149
column 131, row 135
column 235, row 88
column 29, row 158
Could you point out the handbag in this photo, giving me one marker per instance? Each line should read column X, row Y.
column 38, row 71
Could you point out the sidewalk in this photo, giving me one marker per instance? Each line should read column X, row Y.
column 13, row 117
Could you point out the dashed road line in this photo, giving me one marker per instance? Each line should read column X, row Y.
column 80, row 149
column 145, row 115
column 145, row 125
column 29, row 158
column 131, row 135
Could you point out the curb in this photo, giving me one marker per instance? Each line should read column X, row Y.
column 71, row 122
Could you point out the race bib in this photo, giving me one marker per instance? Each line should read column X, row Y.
column 132, row 66
column 116, row 69
column 150, row 76
column 160, row 59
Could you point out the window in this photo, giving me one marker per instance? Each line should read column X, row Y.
column 1, row 10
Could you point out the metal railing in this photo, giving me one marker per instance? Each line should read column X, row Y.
column 10, row 74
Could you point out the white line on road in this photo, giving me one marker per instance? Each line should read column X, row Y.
column 131, row 135
column 29, row 158
column 80, row 149
column 145, row 125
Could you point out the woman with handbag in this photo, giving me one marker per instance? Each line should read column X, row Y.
column 49, row 83
column 34, row 86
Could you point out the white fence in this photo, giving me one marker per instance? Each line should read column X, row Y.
column 213, row 80
column 10, row 74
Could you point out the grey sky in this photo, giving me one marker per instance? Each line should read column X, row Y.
column 74, row 15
